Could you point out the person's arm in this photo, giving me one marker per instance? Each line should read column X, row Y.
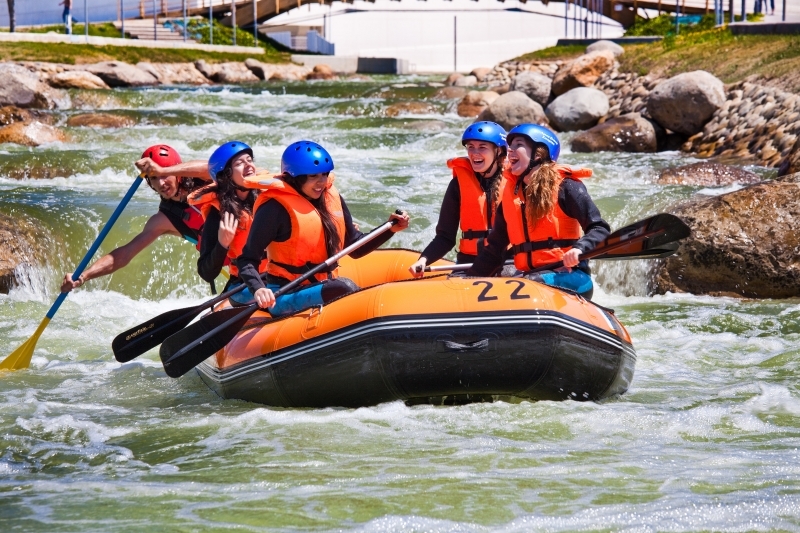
column 212, row 251
column 271, row 223
column 574, row 200
column 447, row 227
column 493, row 254
column 155, row 227
column 191, row 169
column 353, row 234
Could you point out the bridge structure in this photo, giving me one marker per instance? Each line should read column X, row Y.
column 260, row 11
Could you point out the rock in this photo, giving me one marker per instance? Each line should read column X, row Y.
column 707, row 175
column 409, row 108
column 578, row 109
column 232, row 73
column 120, row 74
column 512, row 109
column 466, row 81
column 743, row 243
column 450, row 93
column 22, row 88
column 426, row 126
column 451, row 79
column 791, row 163
column 30, row 134
column 100, row 120
column 264, row 71
column 626, row 133
column 536, row 86
column 174, row 73
column 20, row 246
column 611, row 46
column 322, row 72
column 480, row 73
column 684, row 103
column 76, row 79
column 475, row 102
column 582, row 72
column 10, row 114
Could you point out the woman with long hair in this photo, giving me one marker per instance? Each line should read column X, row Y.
column 472, row 197
column 300, row 221
column 227, row 207
column 546, row 215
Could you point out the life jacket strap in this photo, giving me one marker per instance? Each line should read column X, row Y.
column 474, row 234
column 542, row 245
column 300, row 270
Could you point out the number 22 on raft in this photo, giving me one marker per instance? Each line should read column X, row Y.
column 489, row 293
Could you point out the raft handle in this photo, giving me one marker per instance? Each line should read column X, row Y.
column 476, row 346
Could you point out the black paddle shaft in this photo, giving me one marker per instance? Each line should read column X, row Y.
column 191, row 346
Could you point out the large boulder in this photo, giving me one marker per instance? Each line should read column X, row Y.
column 611, row 46
column 578, row 109
column 684, row 103
column 120, row 74
column 30, row 134
column 451, row 79
column 76, row 79
column 410, row 108
column 174, row 73
column 100, row 120
column 322, row 72
column 480, row 73
column 743, row 243
column 626, row 133
column 537, row 86
column 20, row 246
column 583, row 71
column 475, row 102
column 466, row 81
column 450, row 93
column 268, row 71
column 512, row 109
column 22, row 88
column 707, row 174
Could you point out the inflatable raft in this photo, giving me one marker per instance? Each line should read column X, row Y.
column 434, row 340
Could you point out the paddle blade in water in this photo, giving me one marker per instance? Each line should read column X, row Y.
column 130, row 344
column 191, row 346
column 21, row 357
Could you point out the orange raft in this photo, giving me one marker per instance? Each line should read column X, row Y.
column 434, row 340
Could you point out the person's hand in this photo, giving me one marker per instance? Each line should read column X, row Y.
column 67, row 285
column 227, row 229
column 418, row 269
column 402, row 221
column 572, row 258
column 264, row 298
column 149, row 168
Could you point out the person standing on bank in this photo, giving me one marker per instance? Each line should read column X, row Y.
column 472, row 197
column 174, row 216
column 301, row 220
column 227, row 209
column 546, row 214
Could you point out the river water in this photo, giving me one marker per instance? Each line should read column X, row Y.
column 706, row 439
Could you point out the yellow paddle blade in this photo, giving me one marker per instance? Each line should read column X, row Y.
column 21, row 357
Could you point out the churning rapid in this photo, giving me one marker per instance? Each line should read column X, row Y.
column 705, row 439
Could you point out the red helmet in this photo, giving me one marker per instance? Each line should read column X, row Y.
column 163, row 155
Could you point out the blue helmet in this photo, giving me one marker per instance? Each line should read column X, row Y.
column 305, row 157
column 538, row 134
column 222, row 155
column 489, row 132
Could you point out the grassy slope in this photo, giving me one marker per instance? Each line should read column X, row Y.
column 730, row 58
column 82, row 53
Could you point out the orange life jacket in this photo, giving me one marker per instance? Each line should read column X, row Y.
column 205, row 200
column 547, row 240
column 476, row 213
column 305, row 248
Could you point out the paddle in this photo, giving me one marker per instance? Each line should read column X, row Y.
column 651, row 238
column 132, row 343
column 189, row 347
column 21, row 357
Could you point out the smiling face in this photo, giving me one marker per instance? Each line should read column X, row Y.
column 520, row 152
column 482, row 155
column 167, row 187
column 241, row 167
column 315, row 185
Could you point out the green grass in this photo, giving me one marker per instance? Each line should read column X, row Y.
column 664, row 25
column 553, row 53
column 75, row 53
